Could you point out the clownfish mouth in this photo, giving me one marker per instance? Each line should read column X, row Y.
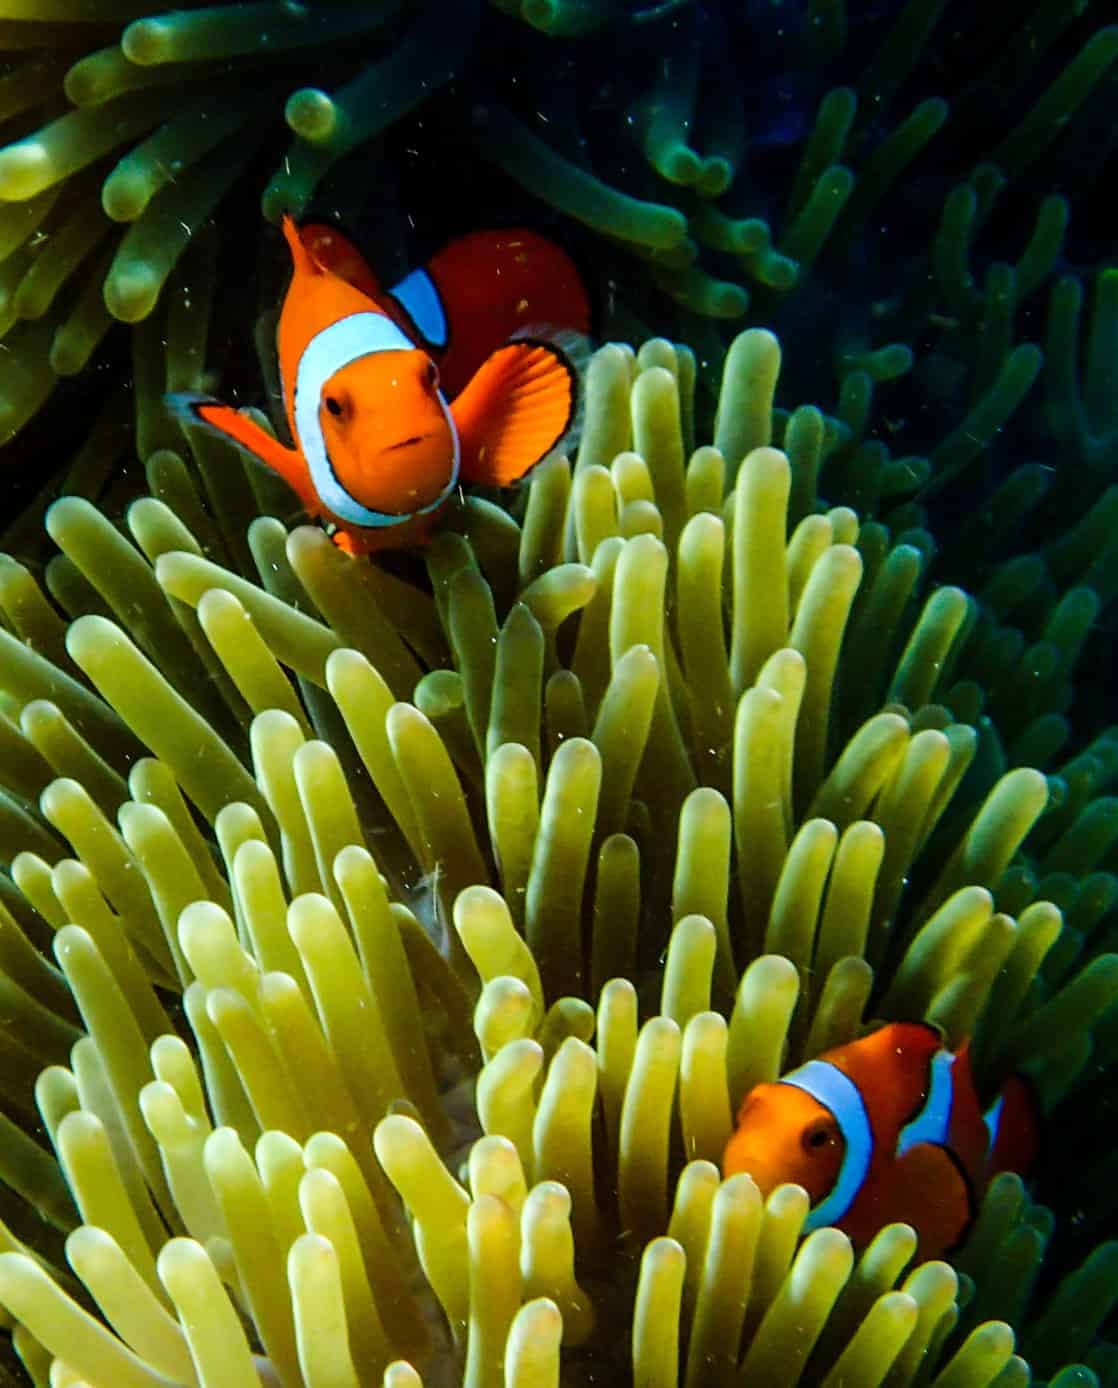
column 407, row 443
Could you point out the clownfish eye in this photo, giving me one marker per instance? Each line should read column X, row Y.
column 333, row 405
column 818, row 1135
column 432, row 375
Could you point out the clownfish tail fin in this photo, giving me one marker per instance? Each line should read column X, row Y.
column 223, row 421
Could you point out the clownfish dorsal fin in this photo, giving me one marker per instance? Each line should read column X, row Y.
column 302, row 259
column 333, row 251
column 521, row 402
column 234, row 427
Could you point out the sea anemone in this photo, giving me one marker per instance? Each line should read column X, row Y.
column 415, row 942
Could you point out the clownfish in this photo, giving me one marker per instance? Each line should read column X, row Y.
column 466, row 371
column 888, row 1129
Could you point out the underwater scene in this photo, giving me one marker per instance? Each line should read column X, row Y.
column 558, row 790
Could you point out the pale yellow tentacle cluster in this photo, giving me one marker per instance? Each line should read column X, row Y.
column 486, row 905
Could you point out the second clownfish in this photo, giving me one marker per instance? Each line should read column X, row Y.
column 888, row 1129
column 464, row 372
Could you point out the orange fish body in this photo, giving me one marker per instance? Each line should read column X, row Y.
column 379, row 450
column 472, row 296
column 887, row 1129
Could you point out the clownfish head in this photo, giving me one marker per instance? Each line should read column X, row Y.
column 783, row 1136
column 388, row 436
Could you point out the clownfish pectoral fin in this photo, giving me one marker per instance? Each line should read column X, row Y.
column 933, row 1193
column 235, row 427
column 521, row 402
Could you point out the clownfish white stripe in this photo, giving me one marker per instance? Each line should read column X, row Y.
column 993, row 1120
column 836, row 1091
column 933, row 1122
column 344, row 341
column 417, row 296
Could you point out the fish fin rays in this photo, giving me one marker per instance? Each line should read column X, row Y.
column 200, row 411
column 520, row 404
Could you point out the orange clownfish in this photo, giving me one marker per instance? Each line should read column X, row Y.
column 463, row 372
column 885, row 1130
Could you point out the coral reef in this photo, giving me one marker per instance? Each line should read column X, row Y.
column 414, row 942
